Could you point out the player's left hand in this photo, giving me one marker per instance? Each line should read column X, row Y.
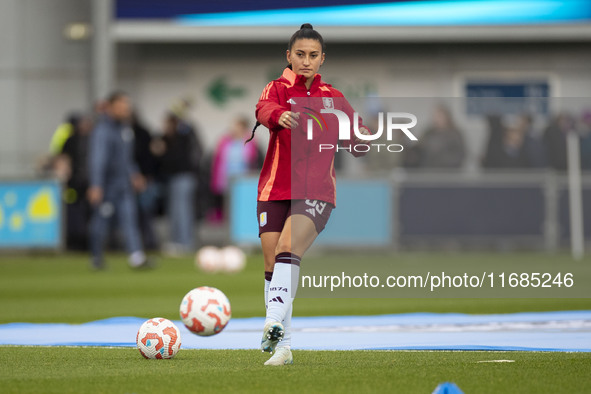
column 365, row 131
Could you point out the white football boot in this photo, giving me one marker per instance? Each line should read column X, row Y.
column 272, row 334
column 282, row 356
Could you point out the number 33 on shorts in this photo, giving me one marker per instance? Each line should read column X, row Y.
column 316, row 207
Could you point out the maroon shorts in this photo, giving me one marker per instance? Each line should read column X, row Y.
column 273, row 214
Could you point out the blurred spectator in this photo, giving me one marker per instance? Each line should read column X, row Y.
column 148, row 166
column 181, row 108
column 585, row 131
column 494, row 146
column 180, row 152
column 555, row 139
column 56, row 165
column 533, row 143
column 77, row 209
column 62, row 133
column 232, row 158
column 382, row 161
column 442, row 144
column 505, row 147
column 113, row 177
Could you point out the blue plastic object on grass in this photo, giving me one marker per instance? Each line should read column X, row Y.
column 447, row 388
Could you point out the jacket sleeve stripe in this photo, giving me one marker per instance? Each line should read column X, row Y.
column 265, row 94
column 269, row 185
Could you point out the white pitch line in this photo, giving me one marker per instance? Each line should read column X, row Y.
column 552, row 325
column 496, row 361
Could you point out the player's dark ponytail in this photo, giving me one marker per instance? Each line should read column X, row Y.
column 257, row 124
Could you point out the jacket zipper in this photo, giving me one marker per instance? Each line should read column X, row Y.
column 307, row 163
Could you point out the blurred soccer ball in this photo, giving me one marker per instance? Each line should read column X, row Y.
column 233, row 259
column 209, row 259
column 158, row 338
column 205, row 311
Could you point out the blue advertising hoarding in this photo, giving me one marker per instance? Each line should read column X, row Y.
column 363, row 216
column 30, row 214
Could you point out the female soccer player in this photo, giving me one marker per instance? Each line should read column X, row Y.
column 290, row 218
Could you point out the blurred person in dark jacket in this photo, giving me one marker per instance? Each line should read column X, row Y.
column 75, row 149
column 442, row 144
column 114, row 178
column 533, row 142
column 148, row 167
column 555, row 139
column 506, row 145
column 585, row 132
column 180, row 153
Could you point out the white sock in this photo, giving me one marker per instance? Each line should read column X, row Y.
column 267, row 284
column 286, row 342
column 287, row 321
column 283, row 286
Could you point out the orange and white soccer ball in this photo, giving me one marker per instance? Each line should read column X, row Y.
column 158, row 338
column 205, row 311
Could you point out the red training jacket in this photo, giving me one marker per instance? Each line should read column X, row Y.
column 312, row 175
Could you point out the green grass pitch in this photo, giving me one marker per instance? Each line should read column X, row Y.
column 100, row 370
column 51, row 288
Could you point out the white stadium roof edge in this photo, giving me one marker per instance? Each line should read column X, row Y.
column 162, row 32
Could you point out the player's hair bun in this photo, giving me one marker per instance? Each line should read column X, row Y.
column 306, row 31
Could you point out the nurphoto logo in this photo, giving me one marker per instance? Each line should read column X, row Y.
column 395, row 121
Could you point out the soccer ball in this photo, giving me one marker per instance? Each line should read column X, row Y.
column 205, row 311
column 158, row 338
column 208, row 259
column 233, row 259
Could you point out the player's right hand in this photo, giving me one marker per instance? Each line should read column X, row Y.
column 288, row 119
